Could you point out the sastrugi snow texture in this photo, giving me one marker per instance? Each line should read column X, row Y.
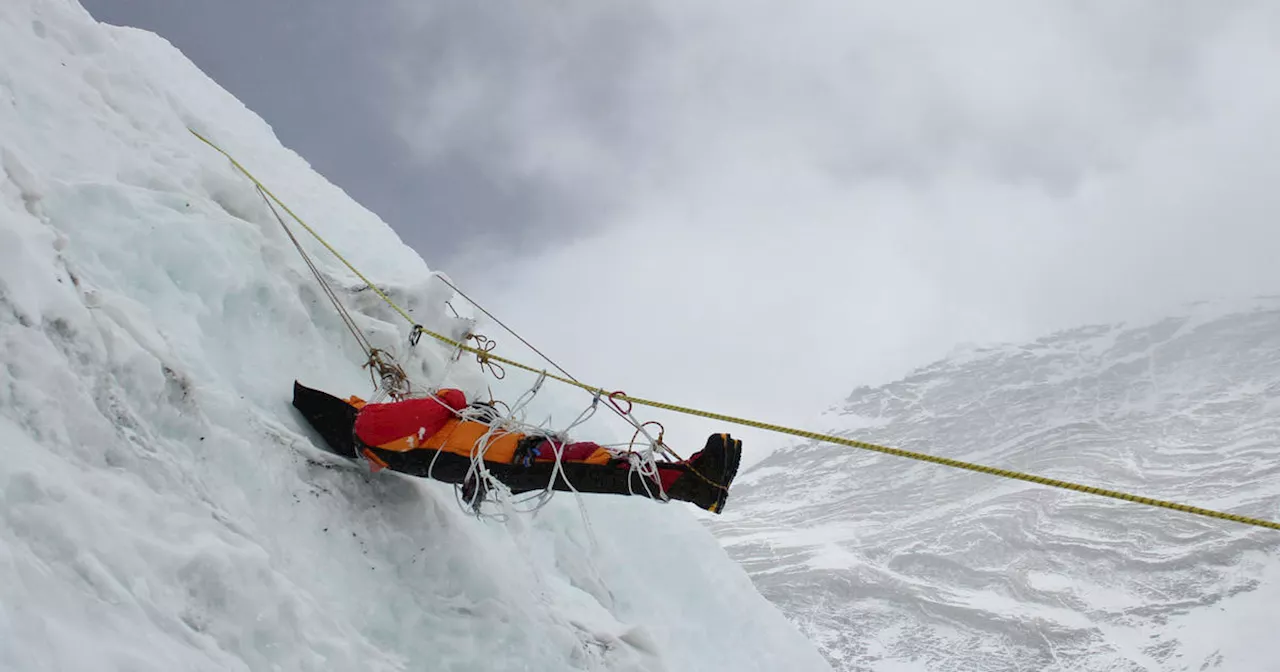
column 891, row 564
column 161, row 507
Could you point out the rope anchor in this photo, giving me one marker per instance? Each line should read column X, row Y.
column 484, row 355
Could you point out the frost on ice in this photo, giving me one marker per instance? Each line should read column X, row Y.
column 160, row 507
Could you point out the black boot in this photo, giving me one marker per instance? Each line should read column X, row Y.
column 709, row 473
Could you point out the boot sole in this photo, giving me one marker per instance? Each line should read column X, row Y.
column 732, row 458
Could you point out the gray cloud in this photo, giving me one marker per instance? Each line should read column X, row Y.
column 792, row 201
column 325, row 75
column 534, row 97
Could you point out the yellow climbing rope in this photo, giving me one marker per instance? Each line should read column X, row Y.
column 485, row 356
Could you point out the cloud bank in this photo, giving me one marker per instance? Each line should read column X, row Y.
column 770, row 205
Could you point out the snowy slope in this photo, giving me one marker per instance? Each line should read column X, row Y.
column 892, row 564
column 159, row 505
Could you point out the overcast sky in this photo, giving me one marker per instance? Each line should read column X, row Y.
column 755, row 207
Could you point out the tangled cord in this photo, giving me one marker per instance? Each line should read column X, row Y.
column 513, row 421
column 480, row 486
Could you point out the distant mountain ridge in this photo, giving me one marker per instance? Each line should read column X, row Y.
column 893, row 564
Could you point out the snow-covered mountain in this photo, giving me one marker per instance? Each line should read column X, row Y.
column 892, row 564
column 162, row 507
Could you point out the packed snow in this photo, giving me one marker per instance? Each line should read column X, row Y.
column 890, row 564
column 162, row 506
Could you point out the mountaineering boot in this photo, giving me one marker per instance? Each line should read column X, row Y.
column 708, row 474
